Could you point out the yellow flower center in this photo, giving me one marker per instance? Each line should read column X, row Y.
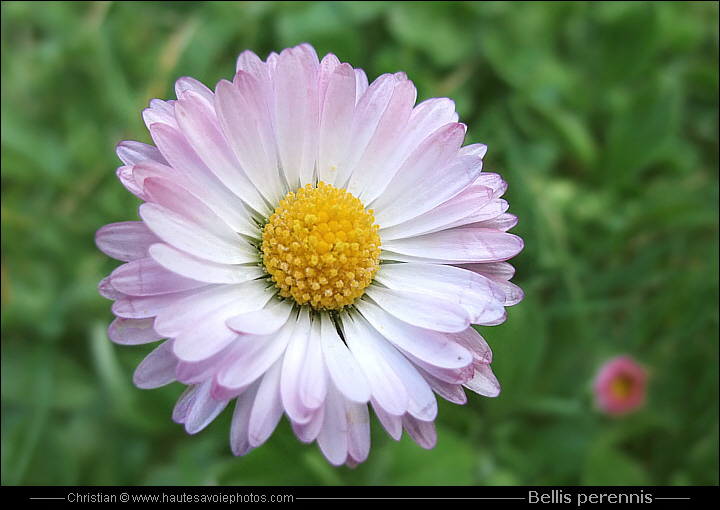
column 621, row 386
column 321, row 247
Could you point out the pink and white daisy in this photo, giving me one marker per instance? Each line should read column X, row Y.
column 310, row 243
column 620, row 386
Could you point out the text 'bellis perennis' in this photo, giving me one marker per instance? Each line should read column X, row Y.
column 310, row 243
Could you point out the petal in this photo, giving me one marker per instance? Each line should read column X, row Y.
column 133, row 331
column 193, row 238
column 358, row 423
column 379, row 161
column 192, row 372
column 296, row 114
column 421, row 310
column 369, row 110
column 421, row 400
column 240, row 421
column 199, row 124
column 476, row 344
column 183, row 313
column 253, row 355
column 484, row 381
column 196, row 408
column 126, row 241
column 455, row 246
column 131, row 153
column 179, row 200
column 198, row 322
column 328, row 65
column 201, row 270
column 243, row 114
column 267, row 408
column 341, row 364
column 406, row 198
column 186, row 83
column 387, row 388
column 404, row 164
column 338, row 111
column 145, row 277
column 127, row 179
column 452, row 213
column 142, row 307
column 333, row 436
column 294, row 381
column 157, row 369
column 422, row 432
column 424, row 344
column 265, row 321
column 204, row 188
column 106, row 290
column 390, row 422
column 479, row 296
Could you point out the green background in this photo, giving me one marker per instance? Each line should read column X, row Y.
column 603, row 118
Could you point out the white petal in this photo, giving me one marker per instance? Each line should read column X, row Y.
column 192, row 372
column 379, row 161
column 333, row 436
column 308, row 432
column 422, row 432
column 291, row 383
column 159, row 112
column 406, row 164
column 126, row 240
column 145, row 277
column 131, row 153
column 368, row 112
column 390, row 422
column 244, row 116
column 453, row 393
column 313, row 379
column 133, row 331
column 479, row 296
column 181, row 314
column 157, row 369
column 455, row 246
column 265, row 321
column 358, row 420
column 406, row 198
column 428, row 345
column 342, row 366
column 252, row 356
column 142, row 307
column 386, row 386
column 196, row 408
column 476, row 344
column 201, row 270
column 240, row 421
column 204, row 188
column 457, row 211
column 336, row 122
column 199, row 124
column 296, row 114
column 484, row 381
column 421, row 310
column 193, row 238
column 184, row 84
column 421, row 400
column 267, row 409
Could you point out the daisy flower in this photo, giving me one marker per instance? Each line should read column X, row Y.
column 620, row 386
column 310, row 244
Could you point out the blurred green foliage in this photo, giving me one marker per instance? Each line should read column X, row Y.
column 603, row 118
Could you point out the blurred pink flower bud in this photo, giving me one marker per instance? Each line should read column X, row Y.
column 619, row 386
